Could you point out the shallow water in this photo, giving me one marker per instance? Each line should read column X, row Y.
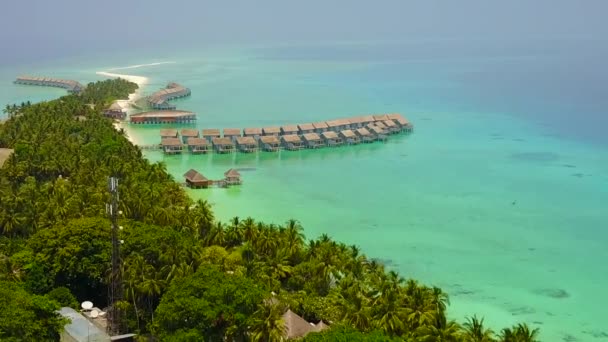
column 493, row 197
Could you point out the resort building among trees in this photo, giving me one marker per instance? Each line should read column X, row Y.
column 115, row 111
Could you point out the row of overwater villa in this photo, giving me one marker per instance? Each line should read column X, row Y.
column 70, row 85
column 350, row 131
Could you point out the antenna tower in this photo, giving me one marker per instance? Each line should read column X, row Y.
column 115, row 289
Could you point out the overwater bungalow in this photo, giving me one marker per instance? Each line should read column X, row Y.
column 198, row 145
column 356, row 122
column 188, row 133
column 364, row 135
column 401, row 122
column 163, row 117
column 211, row 133
column 320, row 127
column 338, row 125
column 168, row 133
column 71, row 86
column 366, row 119
column 289, row 130
column 381, row 117
column 232, row 133
column 292, row 142
column 246, row 144
column 378, row 124
column 270, row 143
column 223, row 145
column 312, row 140
column 349, row 136
column 305, row 128
column 252, row 132
column 232, row 177
column 196, row 180
column 377, row 132
column 331, row 138
column 115, row 111
column 391, row 126
column 159, row 100
column 171, row 145
column 268, row 131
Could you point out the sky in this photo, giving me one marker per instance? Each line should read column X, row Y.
column 69, row 24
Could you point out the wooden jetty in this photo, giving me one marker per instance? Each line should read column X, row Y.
column 69, row 85
column 160, row 99
column 351, row 131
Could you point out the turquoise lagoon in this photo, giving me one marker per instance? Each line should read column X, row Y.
column 499, row 196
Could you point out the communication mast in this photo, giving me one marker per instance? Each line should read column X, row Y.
column 115, row 289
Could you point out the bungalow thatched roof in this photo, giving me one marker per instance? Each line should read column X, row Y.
column 5, row 153
column 231, row 132
column 318, row 125
column 197, row 142
column 321, row 326
column 189, row 132
column 394, row 116
column 367, row 118
column 311, row 137
column 337, row 122
column 270, row 139
column 306, row 127
column 171, row 142
column 252, row 131
column 115, row 107
column 223, row 141
column 329, row 135
column 347, row 133
column 290, row 129
column 195, row 176
column 363, row 132
column 211, row 132
column 379, row 124
column 356, row 120
column 246, row 141
column 292, row 138
column 271, row 130
column 232, row 173
column 376, row 130
column 296, row 326
column 380, row 117
column 168, row 132
column 389, row 123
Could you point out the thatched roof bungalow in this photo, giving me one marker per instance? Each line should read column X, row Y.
column 401, row 121
column 292, row 142
column 338, row 125
column 252, row 132
column 211, row 133
column 305, row 128
column 312, row 140
column 331, row 138
column 268, row 131
column 223, row 145
column 296, row 326
column 232, row 133
column 391, row 126
column 289, row 130
column 378, row 132
column 270, row 143
column 349, row 136
column 168, row 133
column 232, row 177
column 171, row 145
column 196, row 180
column 320, row 127
column 364, row 135
column 198, row 145
column 381, row 117
column 246, row 144
column 115, row 111
column 187, row 133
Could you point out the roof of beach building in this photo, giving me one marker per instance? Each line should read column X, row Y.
column 289, row 128
column 80, row 329
column 329, row 135
column 168, row 132
column 232, row 173
column 271, row 130
column 223, row 141
column 321, row 326
column 171, row 142
column 211, row 132
column 246, row 141
column 115, row 107
column 189, row 132
column 347, row 133
column 232, row 131
column 363, row 131
column 296, row 326
column 311, row 137
column 252, row 131
column 318, row 125
column 197, row 142
column 292, row 138
column 269, row 139
column 306, row 127
column 380, row 117
column 195, row 176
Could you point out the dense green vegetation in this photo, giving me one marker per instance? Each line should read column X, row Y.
column 187, row 276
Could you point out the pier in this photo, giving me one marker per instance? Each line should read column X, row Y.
column 71, row 86
column 333, row 133
column 160, row 99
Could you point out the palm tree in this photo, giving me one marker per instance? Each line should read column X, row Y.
column 267, row 323
column 519, row 333
column 474, row 331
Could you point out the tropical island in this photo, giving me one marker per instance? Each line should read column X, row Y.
column 186, row 276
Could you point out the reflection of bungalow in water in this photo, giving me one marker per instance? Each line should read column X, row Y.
column 379, row 133
column 289, row 130
column 198, row 145
column 349, row 136
column 232, row 133
column 292, row 142
column 252, row 132
column 115, row 111
column 401, row 122
column 223, row 145
column 211, row 133
column 246, row 144
column 232, row 177
column 270, row 143
column 188, row 133
column 337, row 125
column 312, row 140
column 320, row 127
column 171, row 145
column 196, row 180
column 168, row 133
column 331, row 138
column 163, row 117
column 268, row 131
column 365, row 135
column 306, row 128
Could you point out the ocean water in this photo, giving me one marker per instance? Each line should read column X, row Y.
column 499, row 196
